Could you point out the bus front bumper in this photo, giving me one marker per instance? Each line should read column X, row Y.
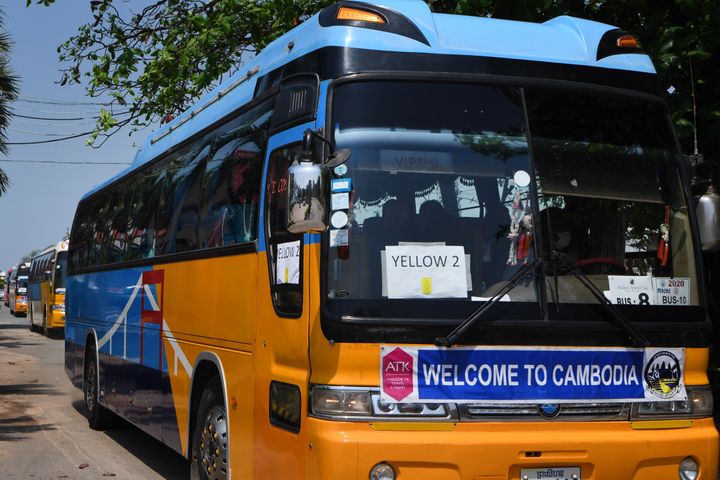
column 498, row 451
column 56, row 318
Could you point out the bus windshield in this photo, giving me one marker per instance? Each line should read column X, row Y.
column 447, row 201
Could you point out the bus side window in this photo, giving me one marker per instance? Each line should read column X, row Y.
column 144, row 204
column 117, row 223
column 80, row 239
column 231, row 183
column 99, row 211
column 186, row 202
column 284, row 249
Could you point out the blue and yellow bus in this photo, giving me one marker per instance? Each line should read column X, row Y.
column 46, row 288
column 405, row 245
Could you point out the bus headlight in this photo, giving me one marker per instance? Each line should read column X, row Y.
column 356, row 403
column 699, row 404
column 59, row 307
column 340, row 402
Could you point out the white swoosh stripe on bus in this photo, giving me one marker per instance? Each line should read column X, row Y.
column 151, row 298
column 122, row 318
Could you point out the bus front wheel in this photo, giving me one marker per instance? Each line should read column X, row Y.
column 211, row 440
column 99, row 418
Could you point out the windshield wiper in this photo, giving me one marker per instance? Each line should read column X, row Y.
column 633, row 333
column 527, row 269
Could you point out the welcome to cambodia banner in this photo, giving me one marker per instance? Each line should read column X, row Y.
column 531, row 374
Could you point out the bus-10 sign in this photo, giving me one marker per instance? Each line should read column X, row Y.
column 531, row 374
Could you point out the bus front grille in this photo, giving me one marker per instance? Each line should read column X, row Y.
column 488, row 412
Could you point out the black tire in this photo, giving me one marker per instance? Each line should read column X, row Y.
column 210, row 442
column 44, row 326
column 99, row 418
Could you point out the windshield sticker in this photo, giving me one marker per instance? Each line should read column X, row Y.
column 416, row 161
column 428, row 271
column 340, row 201
column 339, row 238
column 340, row 170
column 531, row 374
column 521, row 178
column 339, row 219
column 340, row 184
column 646, row 290
column 288, row 263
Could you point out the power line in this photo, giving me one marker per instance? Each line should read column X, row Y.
column 58, row 102
column 49, row 141
column 42, row 134
column 48, row 118
column 94, row 117
column 62, row 162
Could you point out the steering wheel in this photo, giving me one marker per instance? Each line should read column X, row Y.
column 606, row 261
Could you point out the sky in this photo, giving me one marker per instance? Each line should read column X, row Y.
column 38, row 208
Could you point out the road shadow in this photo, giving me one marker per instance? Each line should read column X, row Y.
column 12, row 340
column 165, row 461
column 31, row 388
column 14, row 326
column 15, row 425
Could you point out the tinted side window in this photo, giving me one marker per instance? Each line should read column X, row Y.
column 186, row 203
column 284, row 249
column 117, row 219
column 232, row 180
column 99, row 209
column 143, row 207
column 80, row 238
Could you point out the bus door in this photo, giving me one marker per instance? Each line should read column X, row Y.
column 283, row 373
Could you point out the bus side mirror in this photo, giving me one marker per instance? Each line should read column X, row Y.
column 708, row 215
column 307, row 193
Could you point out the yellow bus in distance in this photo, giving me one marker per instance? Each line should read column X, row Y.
column 46, row 288
column 18, row 290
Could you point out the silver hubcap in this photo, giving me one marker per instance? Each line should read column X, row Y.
column 213, row 444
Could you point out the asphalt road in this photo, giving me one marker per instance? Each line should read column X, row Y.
column 43, row 432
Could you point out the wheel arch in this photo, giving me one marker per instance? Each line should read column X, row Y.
column 207, row 366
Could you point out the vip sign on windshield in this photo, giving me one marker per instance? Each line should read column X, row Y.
column 531, row 375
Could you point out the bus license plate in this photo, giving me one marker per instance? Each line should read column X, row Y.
column 550, row 473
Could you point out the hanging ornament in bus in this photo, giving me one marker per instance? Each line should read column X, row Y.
column 664, row 243
column 520, row 235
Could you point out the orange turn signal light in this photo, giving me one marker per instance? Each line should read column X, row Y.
column 346, row 13
column 628, row 41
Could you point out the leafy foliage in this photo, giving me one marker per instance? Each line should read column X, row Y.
column 155, row 62
column 8, row 92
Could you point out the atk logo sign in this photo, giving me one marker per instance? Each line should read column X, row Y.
column 397, row 374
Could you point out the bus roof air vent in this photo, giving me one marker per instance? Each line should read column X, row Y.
column 365, row 15
column 297, row 101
